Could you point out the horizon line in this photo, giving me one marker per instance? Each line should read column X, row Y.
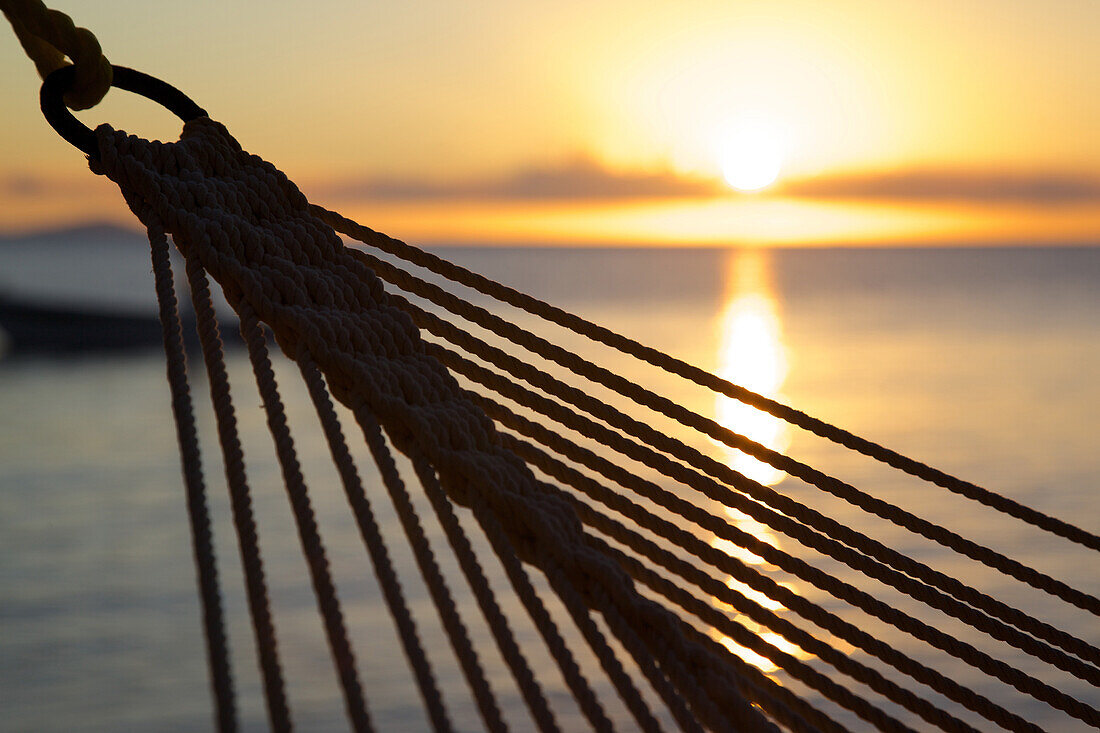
column 106, row 228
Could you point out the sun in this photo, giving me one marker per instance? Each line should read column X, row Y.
column 751, row 153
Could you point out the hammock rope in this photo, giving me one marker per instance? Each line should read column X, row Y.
column 797, row 567
column 278, row 264
column 555, row 479
column 595, row 332
column 439, row 425
column 372, row 538
column 240, row 496
column 767, row 587
column 197, row 508
column 709, row 427
column 645, row 453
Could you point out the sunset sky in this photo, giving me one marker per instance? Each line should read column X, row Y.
column 611, row 122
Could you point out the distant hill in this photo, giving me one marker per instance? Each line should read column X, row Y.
column 93, row 233
column 95, row 266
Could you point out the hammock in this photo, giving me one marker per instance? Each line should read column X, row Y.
column 555, row 478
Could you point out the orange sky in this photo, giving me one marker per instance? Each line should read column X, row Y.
column 612, row 122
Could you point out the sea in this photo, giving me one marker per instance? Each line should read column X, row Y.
column 984, row 362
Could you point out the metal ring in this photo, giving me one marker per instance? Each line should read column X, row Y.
column 77, row 133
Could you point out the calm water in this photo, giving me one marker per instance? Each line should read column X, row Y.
column 982, row 362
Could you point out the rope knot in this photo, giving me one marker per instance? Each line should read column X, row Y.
column 48, row 37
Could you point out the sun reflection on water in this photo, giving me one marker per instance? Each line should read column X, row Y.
column 753, row 355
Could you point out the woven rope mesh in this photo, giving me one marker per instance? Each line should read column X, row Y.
column 536, row 523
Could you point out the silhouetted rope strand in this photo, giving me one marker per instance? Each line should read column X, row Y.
column 198, row 514
column 574, row 678
column 297, row 276
column 704, row 707
column 695, row 673
column 437, row 586
column 684, row 670
column 312, row 547
column 475, row 576
column 394, row 483
column 690, row 512
column 769, row 588
column 783, row 522
column 428, row 412
column 703, row 378
column 789, row 663
column 833, row 528
column 713, row 556
column 781, row 703
column 372, row 537
column 742, row 636
column 718, row 492
column 600, row 648
column 259, row 603
column 644, row 397
column 251, row 229
column 727, row 564
column 240, row 220
column 671, row 680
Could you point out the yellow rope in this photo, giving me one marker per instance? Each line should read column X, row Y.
column 48, row 36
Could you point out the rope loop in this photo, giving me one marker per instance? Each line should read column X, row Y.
column 48, row 37
column 76, row 132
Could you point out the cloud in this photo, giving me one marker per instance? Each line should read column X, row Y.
column 580, row 178
column 32, row 185
column 586, row 179
column 21, row 185
column 977, row 187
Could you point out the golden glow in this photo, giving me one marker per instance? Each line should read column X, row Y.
column 748, row 525
column 740, row 91
column 752, row 153
column 762, row 663
column 753, row 356
column 765, row 220
column 757, row 660
column 859, row 86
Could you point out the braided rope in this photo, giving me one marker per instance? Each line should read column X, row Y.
column 239, row 220
column 712, row 429
column 438, row 589
column 741, row 635
column 312, row 547
column 372, row 538
column 259, row 604
column 723, row 593
column 578, row 610
column 498, row 624
column 198, row 514
column 769, row 588
column 786, row 707
column 652, row 356
column 874, row 563
column 255, row 235
column 521, row 583
column 840, row 589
